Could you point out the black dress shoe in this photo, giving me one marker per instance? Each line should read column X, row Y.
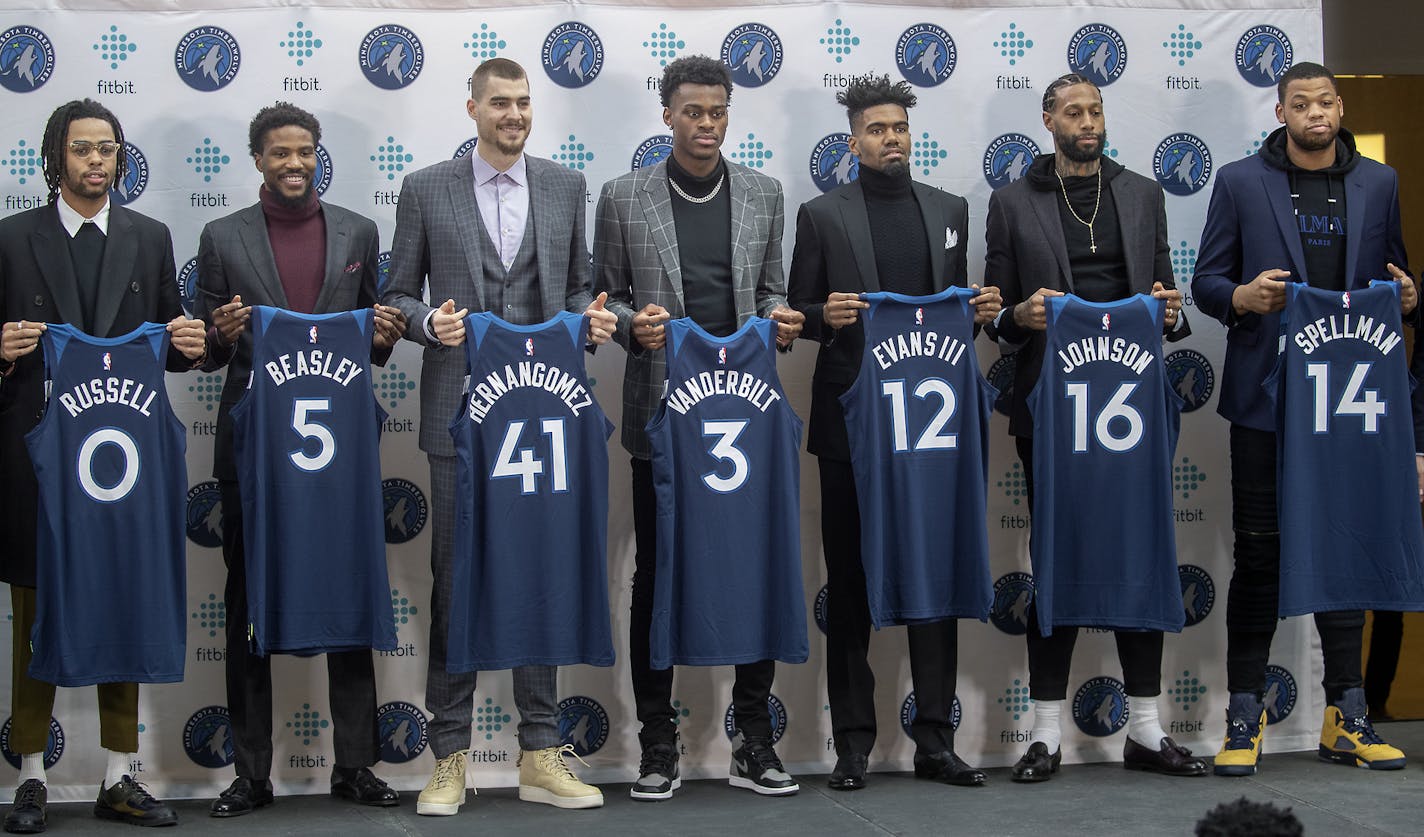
column 849, row 773
column 947, row 767
column 1170, row 758
column 1037, row 765
column 27, row 816
column 243, row 796
column 361, row 785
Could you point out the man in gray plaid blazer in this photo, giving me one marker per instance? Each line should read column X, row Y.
column 503, row 232
column 696, row 236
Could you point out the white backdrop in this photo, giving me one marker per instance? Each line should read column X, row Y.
column 1192, row 77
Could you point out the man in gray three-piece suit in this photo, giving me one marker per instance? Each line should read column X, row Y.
column 696, row 236
column 502, row 232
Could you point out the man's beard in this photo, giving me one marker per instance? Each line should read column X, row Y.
column 1068, row 147
column 295, row 202
column 896, row 168
column 1306, row 142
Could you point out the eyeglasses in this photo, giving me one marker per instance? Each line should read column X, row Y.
column 83, row 148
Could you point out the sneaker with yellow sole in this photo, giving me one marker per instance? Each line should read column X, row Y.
column 546, row 779
column 445, row 792
column 1245, row 726
column 1348, row 737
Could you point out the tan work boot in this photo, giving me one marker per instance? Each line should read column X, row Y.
column 545, row 778
column 445, row 792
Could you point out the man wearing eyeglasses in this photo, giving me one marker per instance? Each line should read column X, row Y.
column 106, row 269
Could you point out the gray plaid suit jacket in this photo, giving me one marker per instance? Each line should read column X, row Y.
column 636, row 261
column 438, row 241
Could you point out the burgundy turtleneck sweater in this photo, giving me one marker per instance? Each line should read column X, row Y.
column 298, row 236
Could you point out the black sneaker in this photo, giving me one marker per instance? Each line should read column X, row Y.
column 130, row 802
column 657, row 773
column 756, row 767
column 27, row 815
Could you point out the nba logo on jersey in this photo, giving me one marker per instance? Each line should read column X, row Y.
column 1345, row 299
column 529, row 347
column 1107, row 322
column 108, row 362
column 919, row 316
column 311, row 335
column 722, row 356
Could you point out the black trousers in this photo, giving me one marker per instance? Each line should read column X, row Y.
column 1051, row 657
column 850, row 683
column 1253, row 600
column 1385, row 638
column 652, row 688
column 351, row 675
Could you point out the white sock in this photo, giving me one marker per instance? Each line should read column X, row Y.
column 1142, row 724
column 1045, row 723
column 32, row 767
column 117, row 768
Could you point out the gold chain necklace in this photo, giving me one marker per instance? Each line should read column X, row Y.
column 1097, row 202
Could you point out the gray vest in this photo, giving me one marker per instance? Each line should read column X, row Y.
column 512, row 295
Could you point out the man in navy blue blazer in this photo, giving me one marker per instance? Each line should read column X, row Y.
column 1306, row 208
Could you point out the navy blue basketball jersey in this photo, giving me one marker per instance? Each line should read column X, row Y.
column 1105, row 422
column 531, row 507
column 1347, row 491
column 918, row 420
column 108, row 457
column 728, row 482
column 306, row 436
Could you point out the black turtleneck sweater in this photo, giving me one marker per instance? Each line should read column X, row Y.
column 897, row 232
column 704, row 247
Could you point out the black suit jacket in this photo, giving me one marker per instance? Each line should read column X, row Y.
column 1027, row 251
column 235, row 257
column 834, row 253
column 37, row 283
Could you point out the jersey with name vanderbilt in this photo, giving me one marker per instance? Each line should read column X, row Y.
column 108, row 457
column 1347, row 490
column 306, row 435
column 1105, row 423
column 531, row 506
column 726, row 473
column 918, row 421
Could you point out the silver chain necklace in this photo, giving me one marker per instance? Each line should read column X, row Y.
column 690, row 199
column 1097, row 202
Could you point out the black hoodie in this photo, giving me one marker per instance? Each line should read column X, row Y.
column 1099, row 275
column 1319, row 200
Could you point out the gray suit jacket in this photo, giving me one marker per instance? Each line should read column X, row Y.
column 636, row 261
column 438, row 241
column 235, row 257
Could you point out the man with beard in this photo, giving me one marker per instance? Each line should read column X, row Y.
column 1306, row 207
column 503, row 232
column 289, row 250
column 1079, row 223
column 880, row 232
column 105, row 269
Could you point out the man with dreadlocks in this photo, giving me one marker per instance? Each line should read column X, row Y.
column 105, row 269
column 880, row 232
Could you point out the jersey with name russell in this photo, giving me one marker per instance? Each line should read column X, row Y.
column 1347, row 488
column 918, row 421
column 531, row 506
column 109, row 461
column 306, row 435
column 726, row 473
column 1106, row 420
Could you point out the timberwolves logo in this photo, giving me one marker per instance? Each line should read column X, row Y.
column 777, row 710
column 405, row 509
column 583, row 722
column 54, row 747
column 753, row 53
column 653, row 150
column 135, row 179
column 1263, row 55
column 1100, row 707
column 908, row 713
column 1198, row 592
column 1182, row 164
column 1280, row 694
column 1191, row 377
column 391, row 56
column 321, row 178
column 819, row 609
column 926, row 55
column 1001, row 375
column 403, row 732
column 26, row 59
column 1013, row 593
column 1007, row 159
column 466, row 147
column 205, row 514
column 207, row 737
column 188, row 285
column 832, row 164
column 207, row 59
column 1098, row 52
column 572, row 55
column 383, row 271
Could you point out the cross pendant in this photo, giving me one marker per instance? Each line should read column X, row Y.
column 1093, row 248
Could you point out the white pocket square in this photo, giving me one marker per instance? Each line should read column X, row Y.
column 951, row 238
